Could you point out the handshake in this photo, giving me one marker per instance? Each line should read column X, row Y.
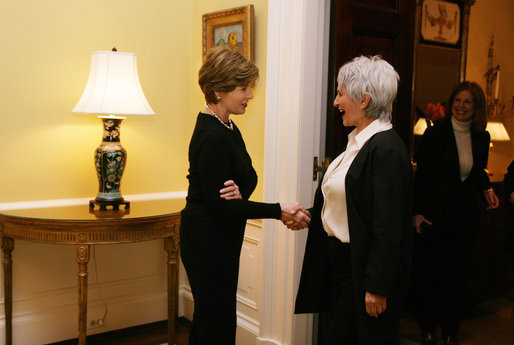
column 295, row 216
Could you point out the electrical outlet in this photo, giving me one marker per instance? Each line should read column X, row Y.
column 95, row 323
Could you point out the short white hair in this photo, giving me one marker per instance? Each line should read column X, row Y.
column 372, row 75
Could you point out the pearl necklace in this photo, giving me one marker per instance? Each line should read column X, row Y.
column 230, row 126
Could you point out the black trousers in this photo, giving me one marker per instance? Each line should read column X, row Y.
column 210, row 256
column 442, row 259
column 342, row 320
column 347, row 323
column 441, row 266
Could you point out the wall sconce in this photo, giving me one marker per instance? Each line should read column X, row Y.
column 113, row 89
column 492, row 76
column 495, row 108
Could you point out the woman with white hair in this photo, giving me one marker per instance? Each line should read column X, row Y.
column 358, row 254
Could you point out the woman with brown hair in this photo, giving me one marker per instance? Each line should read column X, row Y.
column 450, row 175
column 212, row 227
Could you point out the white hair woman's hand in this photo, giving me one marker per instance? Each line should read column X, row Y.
column 295, row 216
column 375, row 304
column 231, row 191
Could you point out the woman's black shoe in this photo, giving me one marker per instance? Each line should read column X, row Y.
column 428, row 338
column 449, row 340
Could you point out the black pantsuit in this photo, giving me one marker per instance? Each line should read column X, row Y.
column 442, row 257
column 343, row 316
column 334, row 280
column 212, row 228
column 212, row 266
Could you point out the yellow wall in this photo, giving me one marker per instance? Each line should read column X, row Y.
column 46, row 152
column 494, row 18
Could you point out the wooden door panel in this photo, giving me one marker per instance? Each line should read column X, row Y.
column 366, row 44
column 371, row 27
column 380, row 3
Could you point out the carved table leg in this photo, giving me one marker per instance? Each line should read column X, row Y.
column 82, row 260
column 171, row 248
column 7, row 248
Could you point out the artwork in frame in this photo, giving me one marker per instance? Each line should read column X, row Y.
column 440, row 23
column 233, row 28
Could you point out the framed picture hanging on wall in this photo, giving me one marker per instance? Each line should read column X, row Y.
column 233, row 28
column 441, row 23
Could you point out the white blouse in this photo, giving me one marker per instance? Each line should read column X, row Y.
column 334, row 215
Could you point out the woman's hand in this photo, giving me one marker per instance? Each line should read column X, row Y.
column 295, row 216
column 375, row 304
column 417, row 220
column 491, row 198
column 231, row 191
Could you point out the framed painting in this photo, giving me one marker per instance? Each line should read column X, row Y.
column 233, row 28
column 441, row 23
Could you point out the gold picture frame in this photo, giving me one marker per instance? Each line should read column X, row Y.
column 233, row 27
column 441, row 23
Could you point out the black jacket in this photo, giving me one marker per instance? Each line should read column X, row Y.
column 379, row 203
column 440, row 195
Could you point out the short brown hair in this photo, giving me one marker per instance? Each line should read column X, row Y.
column 479, row 103
column 223, row 70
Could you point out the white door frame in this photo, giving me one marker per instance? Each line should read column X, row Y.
column 296, row 78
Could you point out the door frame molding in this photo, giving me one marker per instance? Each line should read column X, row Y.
column 296, row 79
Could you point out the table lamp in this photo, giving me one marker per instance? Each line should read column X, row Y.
column 113, row 89
column 497, row 131
column 420, row 126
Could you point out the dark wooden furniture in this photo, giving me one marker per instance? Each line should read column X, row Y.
column 492, row 269
column 83, row 227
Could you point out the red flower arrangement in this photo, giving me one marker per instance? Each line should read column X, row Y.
column 434, row 112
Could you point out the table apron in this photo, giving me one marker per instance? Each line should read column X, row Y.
column 93, row 235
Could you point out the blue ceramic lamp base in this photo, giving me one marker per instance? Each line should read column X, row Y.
column 110, row 160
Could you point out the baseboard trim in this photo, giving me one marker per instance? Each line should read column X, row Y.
column 186, row 304
column 262, row 341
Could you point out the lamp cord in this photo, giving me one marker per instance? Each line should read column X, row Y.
column 98, row 285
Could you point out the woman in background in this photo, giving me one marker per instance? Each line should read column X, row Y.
column 212, row 227
column 450, row 175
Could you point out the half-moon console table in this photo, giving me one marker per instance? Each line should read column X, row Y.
column 83, row 227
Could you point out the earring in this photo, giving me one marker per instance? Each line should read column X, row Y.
column 218, row 97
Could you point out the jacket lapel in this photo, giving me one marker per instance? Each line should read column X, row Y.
column 451, row 153
column 480, row 150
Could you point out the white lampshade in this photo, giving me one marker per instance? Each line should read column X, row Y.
column 113, row 86
column 497, row 131
column 420, row 126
